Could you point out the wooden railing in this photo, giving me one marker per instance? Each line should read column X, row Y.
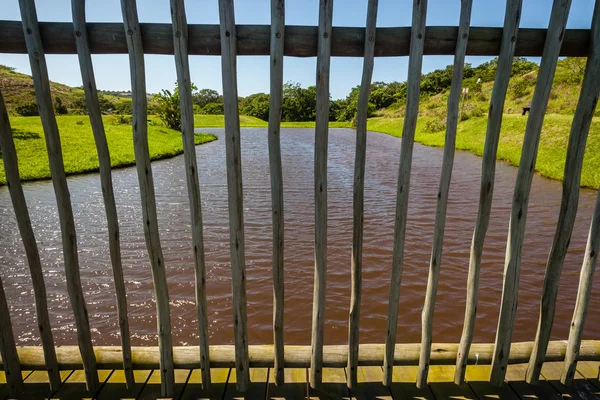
column 324, row 41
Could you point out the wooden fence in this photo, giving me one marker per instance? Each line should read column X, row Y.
column 230, row 40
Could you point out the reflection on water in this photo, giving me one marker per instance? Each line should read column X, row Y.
column 297, row 152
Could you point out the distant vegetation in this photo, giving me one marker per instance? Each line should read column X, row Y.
column 386, row 107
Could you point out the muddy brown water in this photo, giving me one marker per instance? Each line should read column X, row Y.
column 297, row 153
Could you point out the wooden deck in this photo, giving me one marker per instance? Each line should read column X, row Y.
column 188, row 384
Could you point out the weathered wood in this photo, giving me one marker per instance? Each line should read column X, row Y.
column 39, row 72
column 180, row 38
column 583, row 297
column 321, row 143
column 261, row 356
column 408, row 136
column 276, row 172
column 300, row 41
column 234, row 190
column 153, row 388
column 148, row 199
column 93, row 106
column 444, row 188
column 518, row 218
column 512, row 18
column 11, row 170
column 359, row 194
column 588, row 99
column 8, row 349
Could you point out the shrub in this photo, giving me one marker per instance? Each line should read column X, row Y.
column 59, row 107
column 212, row 109
column 434, row 125
column 27, row 109
column 123, row 119
column 519, row 87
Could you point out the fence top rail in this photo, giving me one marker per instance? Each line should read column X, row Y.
column 300, row 41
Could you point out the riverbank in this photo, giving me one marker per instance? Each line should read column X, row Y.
column 79, row 148
column 471, row 137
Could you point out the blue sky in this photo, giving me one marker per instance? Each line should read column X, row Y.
column 112, row 71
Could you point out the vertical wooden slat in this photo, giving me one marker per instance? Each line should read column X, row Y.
column 234, row 190
column 39, row 72
column 180, row 39
column 93, row 106
column 8, row 347
column 275, row 106
column 321, row 142
column 11, row 169
column 508, row 308
column 583, row 297
column 588, row 99
column 488, row 170
column 148, row 199
column 417, row 42
column 358, row 196
column 444, row 188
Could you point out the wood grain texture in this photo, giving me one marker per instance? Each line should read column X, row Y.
column 408, row 136
column 359, row 194
column 444, row 188
column 262, row 356
column 148, row 198
column 573, row 352
column 234, row 190
column 93, row 107
column 321, row 143
column 180, row 40
column 11, row 169
column 518, row 217
column 488, row 171
column 588, row 99
column 300, row 41
column 276, row 173
column 39, row 72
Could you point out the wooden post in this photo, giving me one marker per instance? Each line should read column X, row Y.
column 588, row 268
column 518, row 218
column 39, row 72
column 8, row 347
column 234, row 190
column 11, row 169
column 276, row 172
column 93, row 106
column 180, row 44
column 408, row 137
column 444, row 188
column 588, row 99
column 358, row 196
column 148, row 199
column 488, row 170
column 321, row 143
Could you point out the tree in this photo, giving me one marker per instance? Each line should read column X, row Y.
column 256, row 105
column 299, row 104
column 206, row 96
column 168, row 108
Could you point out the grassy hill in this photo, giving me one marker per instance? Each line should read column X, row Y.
column 19, row 96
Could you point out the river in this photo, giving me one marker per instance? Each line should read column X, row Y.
column 297, row 154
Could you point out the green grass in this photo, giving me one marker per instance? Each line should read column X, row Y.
column 79, row 148
column 552, row 149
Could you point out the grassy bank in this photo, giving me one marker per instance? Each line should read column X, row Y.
column 552, row 150
column 79, row 148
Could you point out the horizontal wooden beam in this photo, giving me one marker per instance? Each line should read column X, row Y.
column 300, row 41
column 261, row 356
